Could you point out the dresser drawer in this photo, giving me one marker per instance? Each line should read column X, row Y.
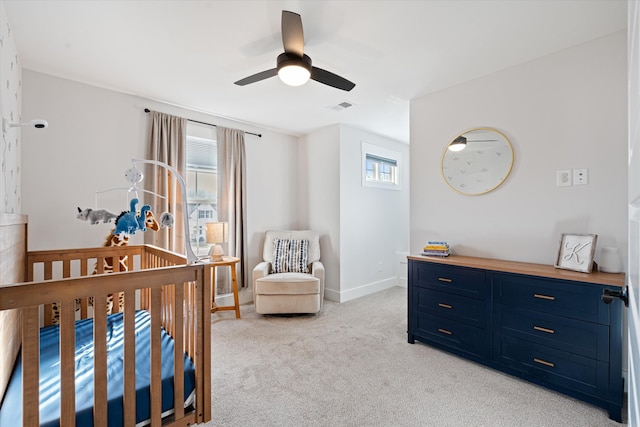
column 570, row 299
column 460, row 280
column 574, row 336
column 554, row 366
column 447, row 332
column 452, row 306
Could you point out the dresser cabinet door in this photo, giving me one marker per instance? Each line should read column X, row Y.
column 568, row 370
column 451, row 306
column 575, row 336
column 464, row 281
column 568, row 299
column 458, row 337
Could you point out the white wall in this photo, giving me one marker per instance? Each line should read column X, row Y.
column 319, row 195
column 361, row 227
column 93, row 134
column 373, row 221
column 10, row 109
column 563, row 111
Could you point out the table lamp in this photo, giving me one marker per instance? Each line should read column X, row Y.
column 217, row 233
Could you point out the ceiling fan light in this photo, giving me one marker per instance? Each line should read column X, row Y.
column 294, row 75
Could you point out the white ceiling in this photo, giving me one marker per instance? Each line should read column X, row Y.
column 189, row 53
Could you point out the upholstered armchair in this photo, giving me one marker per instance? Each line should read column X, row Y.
column 290, row 279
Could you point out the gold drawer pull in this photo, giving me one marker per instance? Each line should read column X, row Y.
column 541, row 329
column 543, row 362
column 443, row 279
column 547, row 297
column 444, row 331
column 444, row 305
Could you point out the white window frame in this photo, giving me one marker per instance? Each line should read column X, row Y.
column 371, row 150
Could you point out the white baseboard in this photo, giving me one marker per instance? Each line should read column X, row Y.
column 245, row 296
column 360, row 291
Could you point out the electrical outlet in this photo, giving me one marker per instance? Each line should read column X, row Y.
column 563, row 177
column 580, row 176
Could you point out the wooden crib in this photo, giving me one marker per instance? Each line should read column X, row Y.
column 176, row 295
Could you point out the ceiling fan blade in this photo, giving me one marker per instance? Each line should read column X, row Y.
column 292, row 34
column 257, row 77
column 330, row 79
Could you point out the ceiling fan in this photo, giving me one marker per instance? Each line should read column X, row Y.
column 293, row 66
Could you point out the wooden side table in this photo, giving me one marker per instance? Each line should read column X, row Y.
column 231, row 263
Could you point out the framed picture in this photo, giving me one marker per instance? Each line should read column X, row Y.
column 576, row 252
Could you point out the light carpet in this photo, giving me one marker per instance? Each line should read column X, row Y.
column 351, row 365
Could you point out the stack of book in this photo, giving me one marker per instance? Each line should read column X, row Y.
column 436, row 249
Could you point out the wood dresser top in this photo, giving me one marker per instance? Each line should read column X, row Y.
column 611, row 279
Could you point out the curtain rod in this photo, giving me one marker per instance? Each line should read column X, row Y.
column 259, row 135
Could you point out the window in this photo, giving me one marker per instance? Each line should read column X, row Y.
column 380, row 167
column 202, row 185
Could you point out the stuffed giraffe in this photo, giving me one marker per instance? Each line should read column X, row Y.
column 112, row 240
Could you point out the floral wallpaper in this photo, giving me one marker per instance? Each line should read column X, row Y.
column 10, row 109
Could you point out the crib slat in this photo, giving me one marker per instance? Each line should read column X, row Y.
column 66, row 268
column 117, row 267
column 48, row 311
column 67, row 363
column 156, row 378
column 204, row 340
column 100, row 361
column 191, row 321
column 129, row 358
column 202, row 304
column 178, row 355
column 31, row 358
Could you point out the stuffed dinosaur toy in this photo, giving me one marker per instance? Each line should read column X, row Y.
column 94, row 216
column 128, row 222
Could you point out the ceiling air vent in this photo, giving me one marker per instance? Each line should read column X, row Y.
column 341, row 106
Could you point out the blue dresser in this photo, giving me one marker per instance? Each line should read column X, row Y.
column 534, row 321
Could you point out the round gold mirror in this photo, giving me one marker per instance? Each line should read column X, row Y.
column 477, row 161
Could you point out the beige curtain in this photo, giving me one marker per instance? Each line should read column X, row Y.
column 232, row 197
column 167, row 137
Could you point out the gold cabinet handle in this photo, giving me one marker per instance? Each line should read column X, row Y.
column 541, row 329
column 444, row 305
column 444, row 279
column 543, row 362
column 547, row 297
column 444, row 331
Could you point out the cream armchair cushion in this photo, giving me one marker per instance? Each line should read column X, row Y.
column 289, row 292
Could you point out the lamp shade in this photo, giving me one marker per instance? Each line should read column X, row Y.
column 217, row 232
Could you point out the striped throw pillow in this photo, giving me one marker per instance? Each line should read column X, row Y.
column 290, row 256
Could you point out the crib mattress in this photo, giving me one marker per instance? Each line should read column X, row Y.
column 10, row 412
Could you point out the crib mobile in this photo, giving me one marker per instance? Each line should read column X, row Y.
column 130, row 221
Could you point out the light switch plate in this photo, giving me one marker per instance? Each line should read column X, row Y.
column 563, row 177
column 580, row 176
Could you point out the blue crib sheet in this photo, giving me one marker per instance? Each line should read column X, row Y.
column 10, row 411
